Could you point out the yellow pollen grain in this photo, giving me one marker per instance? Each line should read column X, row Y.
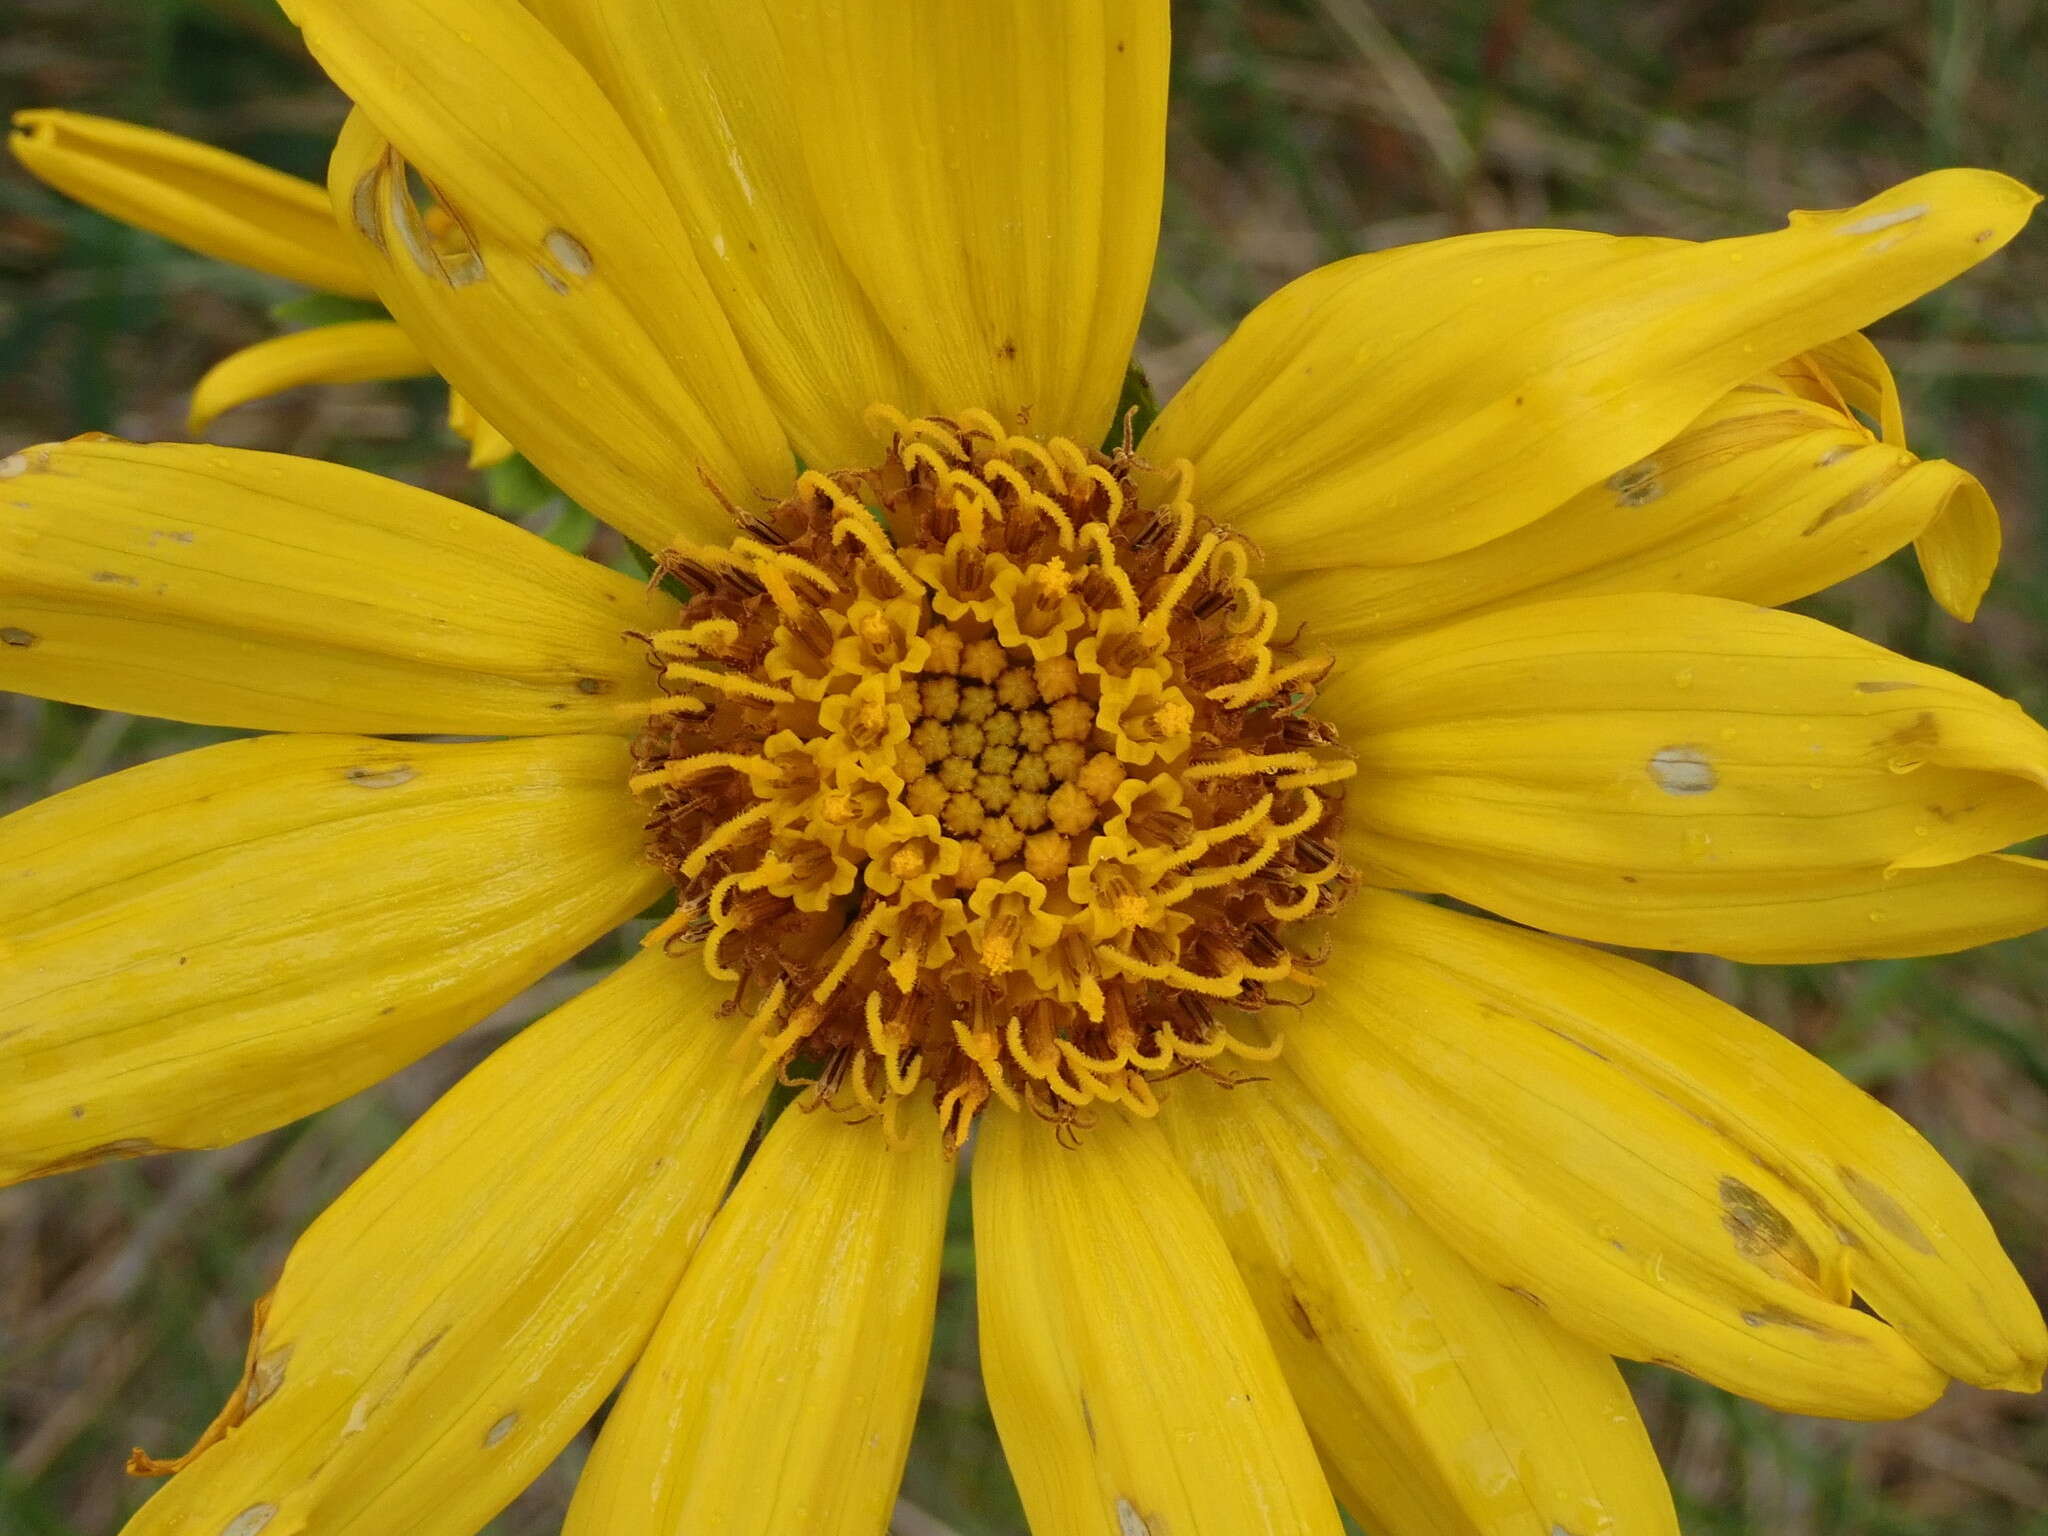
column 1031, row 773
column 968, row 739
column 997, row 758
column 994, row 791
column 941, row 696
column 908, row 862
column 963, row 815
column 977, row 703
column 931, row 740
column 1001, row 729
column 957, row 774
column 1034, row 730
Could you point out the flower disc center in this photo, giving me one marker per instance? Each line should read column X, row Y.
column 982, row 773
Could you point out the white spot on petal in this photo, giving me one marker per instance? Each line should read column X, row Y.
column 1682, row 771
column 1872, row 223
column 569, row 253
column 250, row 1520
column 502, row 1428
column 1129, row 1522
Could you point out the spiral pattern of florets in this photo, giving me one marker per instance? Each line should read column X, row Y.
column 982, row 774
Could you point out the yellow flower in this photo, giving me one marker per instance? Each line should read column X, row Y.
column 1018, row 788
column 249, row 215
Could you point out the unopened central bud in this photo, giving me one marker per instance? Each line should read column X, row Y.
column 983, row 776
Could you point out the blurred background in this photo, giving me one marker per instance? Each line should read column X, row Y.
column 1303, row 130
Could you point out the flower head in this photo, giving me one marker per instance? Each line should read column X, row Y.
column 1028, row 783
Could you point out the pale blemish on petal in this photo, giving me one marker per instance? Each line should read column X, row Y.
column 502, row 1428
column 1834, row 455
column 381, row 778
column 363, row 206
column 1682, row 770
column 1883, row 685
column 1872, row 223
column 569, row 253
column 250, row 1520
column 1636, row 485
column 1877, row 1200
column 1129, row 1522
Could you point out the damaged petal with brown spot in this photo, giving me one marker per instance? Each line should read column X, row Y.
column 982, row 774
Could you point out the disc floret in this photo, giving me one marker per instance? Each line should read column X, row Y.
column 981, row 773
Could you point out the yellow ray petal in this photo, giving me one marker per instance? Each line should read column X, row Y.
column 550, row 280
column 1686, row 744
column 352, row 352
column 779, row 1390
column 450, row 1322
column 1443, row 1403
column 487, row 445
column 1917, row 1247
column 1408, row 404
column 1959, row 550
column 206, row 946
column 205, row 199
column 252, row 589
column 992, row 174
column 1644, row 1228
column 1766, row 497
column 713, row 98
column 1851, row 914
column 1130, row 1378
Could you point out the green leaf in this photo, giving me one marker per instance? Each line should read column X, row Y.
column 1136, row 405
column 514, row 488
column 316, row 309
